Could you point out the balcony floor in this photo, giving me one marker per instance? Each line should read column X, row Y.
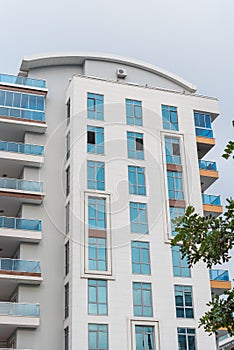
column 8, row 284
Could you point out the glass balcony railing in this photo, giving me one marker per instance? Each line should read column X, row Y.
column 204, row 132
column 21, row 185
column 20, row 265
column 211, row 199
column 20, row 224
column 207, row 165
column 219, row 275
column 16, row 309
column 22, row 114
column 21, row 148
column 15, row 79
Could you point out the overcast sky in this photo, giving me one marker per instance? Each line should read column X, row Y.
column 194, row 39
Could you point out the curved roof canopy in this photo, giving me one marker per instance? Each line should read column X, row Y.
column 78, row 58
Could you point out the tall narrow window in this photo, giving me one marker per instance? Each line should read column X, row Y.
column 203, row 124
column 144, row 338
column 66, row 290
column 186, row 338
column 96, row 175
column 175, row 185
column 68, row 181
column 184, row 301
column 95, row 139
column 136, row 178
column 142, row 299
column 95, row 106
column 170, row 118
column 140, row 258
column 135, row 145
column 68, row 145
column 67, row 258
column 175, row 212
column 98, row 336
column 97, row 254
column 138, row 217
column 97, row 297
column 172, row 150
column 134, row 112
column 67, row 217
column 68, row 111
column 97, row 213
column 66, row 338
column 180, row 265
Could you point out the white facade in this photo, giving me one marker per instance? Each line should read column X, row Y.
column 71, row 78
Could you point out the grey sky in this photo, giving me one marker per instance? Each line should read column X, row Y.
column 194, row 39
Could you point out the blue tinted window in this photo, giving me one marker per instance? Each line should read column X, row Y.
column 186, row 338
column 96, row 175
column 140, row 258
column 175, row 186
column 170, row 118
column 97, row 213
column 203, row 124
column 138, row 217
column 180, row 266
column 98, row 336
column 97, row 254
column 136, row 178
column 175, row 212
column 144, row 338
column 97, row 297
column 135, row 145
column 95, row 106
column 134, row 112
column 95, row 139
column 184, row 301
column 172, row 150
column 142, row 299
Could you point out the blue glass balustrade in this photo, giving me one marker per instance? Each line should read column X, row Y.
column 211, row 199
column 21, row 148
column 219, row 275
column 16, row 309
column 15, row 79
column 21, row 185
column 207, row 165
column 20, row 265
column 20, row 224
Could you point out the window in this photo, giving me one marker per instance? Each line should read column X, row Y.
column 67, row 260
column 68, row 145
column 67, row 181
column 203, row 124
column 186, row 338
column 175, row 186
column 134, row 112
column 97, row 213
column 97, row 254
column 138, row 217
column 98, row 336
column 183, row 301
column 142, row 299
column 66, row 338
column 97, row 297
column 180, row 266
column 170, row 118
column 144, row 338
column 172, row 150
column 68, row 111
column 96, row 175
column 67, row 217
column 175, row 212
column 95, row 106
column 95, row 140
column 135, row 145
column 136, row 178
column 140, row 258
column 66, row 290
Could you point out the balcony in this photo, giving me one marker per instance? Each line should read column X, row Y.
column 204, row 133
column 16, row 230
column 23, row 191
column 219, row 281
column 208, row 173
column 19, row 315
column 211, row 205
column 24, row 154
column 18, row 80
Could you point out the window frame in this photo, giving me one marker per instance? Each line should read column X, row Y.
column 142, row 247
column 132, row 144
column 94, row 114
column 168, row 149
column 98, row 336
column 95, row 183
column 97, row 284
column 98, row 148
column 186, row 334
column 175, row 177
column 182, row 266
column 140, row 208
column 135, row 104
column 136, row 188
column 184, row 289
column 143, row 292
column 174, row 126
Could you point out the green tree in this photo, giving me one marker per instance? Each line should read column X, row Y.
column 210, row 240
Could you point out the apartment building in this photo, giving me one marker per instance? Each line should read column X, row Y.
column 98, row 154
